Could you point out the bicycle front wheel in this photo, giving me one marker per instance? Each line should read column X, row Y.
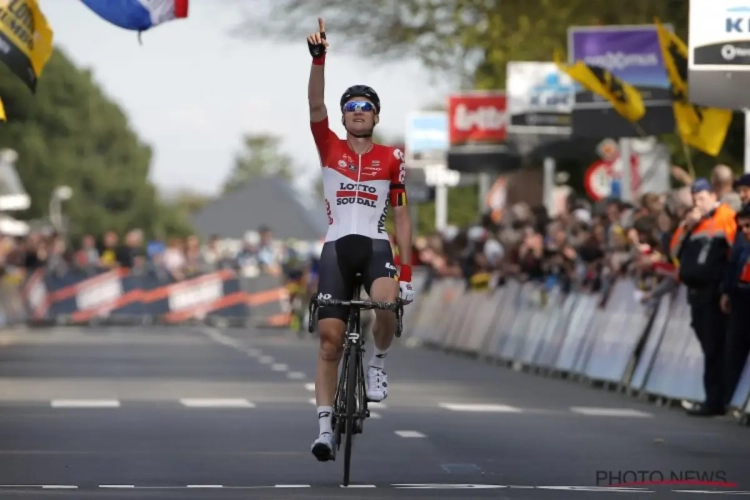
column 351, row 409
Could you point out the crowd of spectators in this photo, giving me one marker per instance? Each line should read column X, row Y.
column 584, row 246
column 178, row 258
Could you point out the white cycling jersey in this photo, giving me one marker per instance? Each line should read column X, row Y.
column 358, row 188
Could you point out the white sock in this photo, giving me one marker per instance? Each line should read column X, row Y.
column 378, row 358
column 324, row 419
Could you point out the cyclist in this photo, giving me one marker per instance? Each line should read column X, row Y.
column 294, row 269
column 360, row 180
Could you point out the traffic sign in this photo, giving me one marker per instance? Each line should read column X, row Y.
column 438, row 175
column 599, row 177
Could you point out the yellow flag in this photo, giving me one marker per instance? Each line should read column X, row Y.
column 625, row 98
column 2, row 111
column 702, row 128
column 26, row 39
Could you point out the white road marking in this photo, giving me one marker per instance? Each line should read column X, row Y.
column 480, row 408
column 448, row 486
column 609, row 412
column 216, row 403
column 359, row 486
column 292, row 486
column 114, row 486
column 231, row 342
column 713, row 492
column 85, row 403
column 380, row 406
column 205, row 486
column 265, row 360
column 312, row 401
column 279, row 367
column 410, row 434
column 610, row 489
column 375, row 415
column 295, row 375
column 59, row 487
column 310, row 387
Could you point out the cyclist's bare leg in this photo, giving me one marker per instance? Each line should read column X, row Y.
column 383, row 331
column 331, row 348
column 384, row 290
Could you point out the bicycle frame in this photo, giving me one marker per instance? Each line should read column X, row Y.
column 350, row 403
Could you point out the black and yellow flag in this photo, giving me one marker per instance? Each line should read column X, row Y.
column 625, row 98
column 702, row 128
column 25, row 39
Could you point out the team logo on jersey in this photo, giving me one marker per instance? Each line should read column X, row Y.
column 344, row 164
column 359, row 194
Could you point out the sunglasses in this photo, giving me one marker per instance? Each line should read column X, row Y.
column 358, row 105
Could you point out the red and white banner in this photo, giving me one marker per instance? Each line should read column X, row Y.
column 478, row 117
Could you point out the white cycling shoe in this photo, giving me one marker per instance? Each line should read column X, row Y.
column 322, row 447
column 377, row 384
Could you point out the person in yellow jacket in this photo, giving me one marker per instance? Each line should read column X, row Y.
column 701, row 246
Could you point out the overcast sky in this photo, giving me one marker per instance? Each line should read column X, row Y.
column 191, row 90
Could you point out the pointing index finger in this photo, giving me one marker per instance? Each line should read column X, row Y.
column 321, row 25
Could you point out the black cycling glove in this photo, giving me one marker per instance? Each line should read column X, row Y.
column 317, row 50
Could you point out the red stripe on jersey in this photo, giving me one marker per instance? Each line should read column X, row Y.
column 367, row 196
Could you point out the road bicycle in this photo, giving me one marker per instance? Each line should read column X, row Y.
column 350, row 404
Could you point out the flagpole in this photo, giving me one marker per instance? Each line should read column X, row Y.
column 688, row 159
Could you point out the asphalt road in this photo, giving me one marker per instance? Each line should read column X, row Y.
column 189, row 412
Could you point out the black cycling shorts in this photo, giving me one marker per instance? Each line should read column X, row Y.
column 342, row 259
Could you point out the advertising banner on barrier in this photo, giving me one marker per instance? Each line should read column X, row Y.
column 540, row 99
column 719, row 53
column 80, row 297
column 633, row 54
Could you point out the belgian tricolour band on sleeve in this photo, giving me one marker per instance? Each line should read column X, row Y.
column 138, row 15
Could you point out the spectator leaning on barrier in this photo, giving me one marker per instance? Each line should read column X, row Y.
column 735, row 298
column 701, row 246
column 108, row 252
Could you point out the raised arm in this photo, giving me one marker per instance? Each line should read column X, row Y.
column 316, row 86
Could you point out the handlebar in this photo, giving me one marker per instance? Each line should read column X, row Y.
column 397, row 307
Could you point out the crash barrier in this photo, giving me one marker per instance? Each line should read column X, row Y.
column 645, row 349
column 152, row 296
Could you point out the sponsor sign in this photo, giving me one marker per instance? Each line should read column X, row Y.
column 426, row 134
column 540, row 99
column 477, row 117
column 719, row 53
column 631, row 53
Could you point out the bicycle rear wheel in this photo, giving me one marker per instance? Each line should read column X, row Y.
column 351, row 408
